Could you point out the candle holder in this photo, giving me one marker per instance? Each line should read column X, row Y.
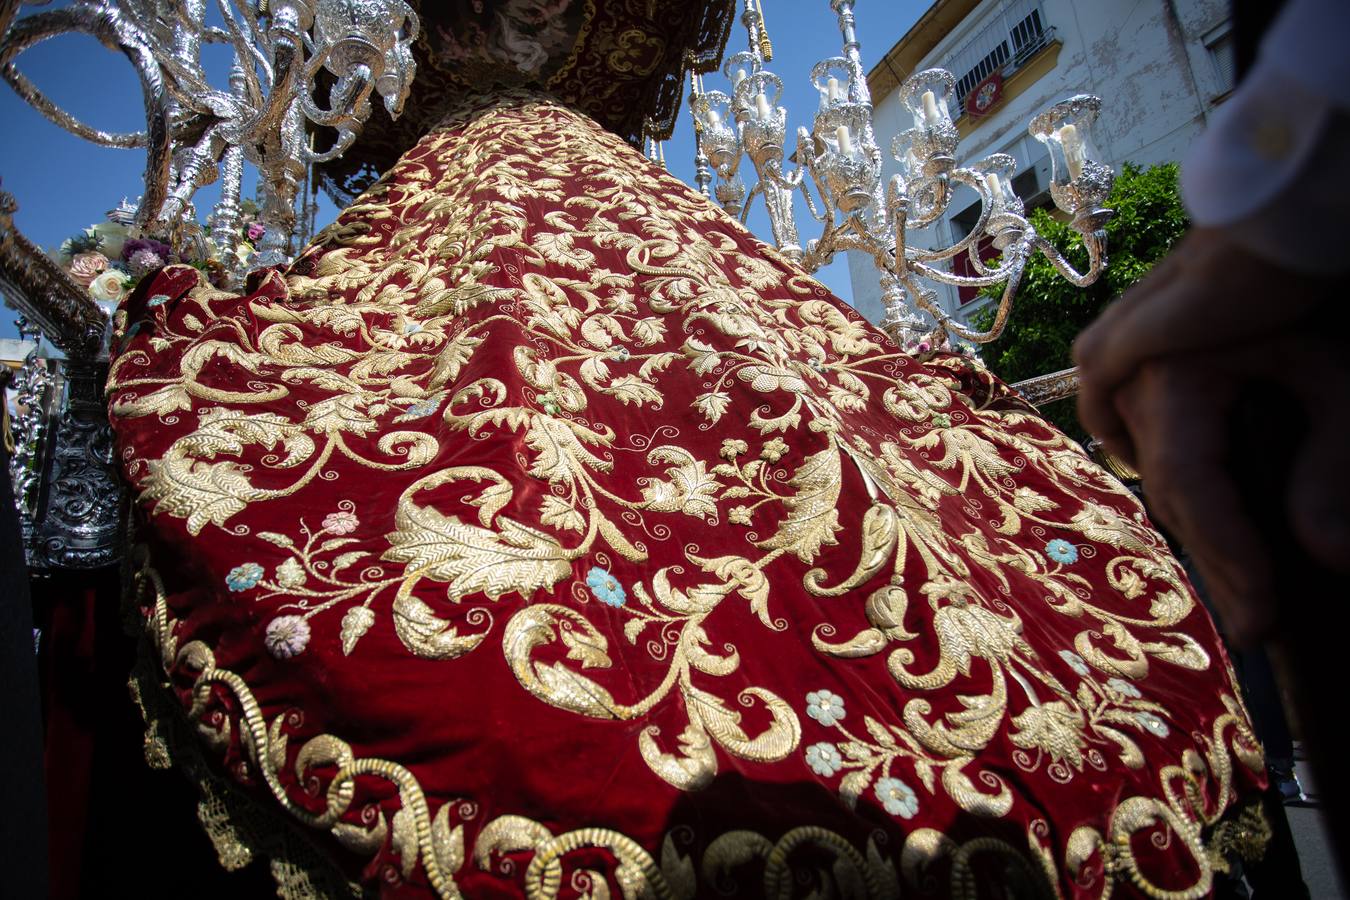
column 838, row 173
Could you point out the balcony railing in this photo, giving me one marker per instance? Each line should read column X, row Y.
column 1012, row 36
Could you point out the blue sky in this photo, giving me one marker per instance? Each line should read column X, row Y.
column 64, row 184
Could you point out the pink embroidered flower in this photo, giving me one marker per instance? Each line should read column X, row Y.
column 287, row 636
column 85, row 267
column 340, row 522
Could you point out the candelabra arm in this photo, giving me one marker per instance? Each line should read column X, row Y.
column 971, row 179
column 1094, row 241
column 951, row 326
column 107, row 28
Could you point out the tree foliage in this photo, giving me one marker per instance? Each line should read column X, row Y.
column 1049, row 312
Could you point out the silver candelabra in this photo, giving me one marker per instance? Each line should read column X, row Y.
column 857, row 211
column 197, row 132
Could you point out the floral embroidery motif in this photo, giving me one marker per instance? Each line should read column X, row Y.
column 1154, row 724
column 824, row 759
column 825, row 707
column 341, row 522
column 606, row 587
column 1123, row 687
column 897, row 798
column 1075, row 662
column 1061, row 551
column 245, row 576
column 287, row 636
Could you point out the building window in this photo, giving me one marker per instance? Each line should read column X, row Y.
column 1219, row 43
column 1012, row 36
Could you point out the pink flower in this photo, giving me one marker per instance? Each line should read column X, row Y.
column 340, row 522
column 287, row 636
column 255, row 231
column 144, row 261
column 85, row 267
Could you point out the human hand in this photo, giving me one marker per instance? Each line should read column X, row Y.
column 1207, row 293
column 1177, row 413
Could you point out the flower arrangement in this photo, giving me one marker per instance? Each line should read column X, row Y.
column 110, row 258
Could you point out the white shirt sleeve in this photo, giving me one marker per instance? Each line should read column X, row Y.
column 1273, row 169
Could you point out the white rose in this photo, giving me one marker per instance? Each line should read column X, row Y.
column 109, row 286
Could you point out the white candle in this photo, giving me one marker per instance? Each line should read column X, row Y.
column 713, row 118
column 991, row 181
column 740, row 76
column 1073, row 150
column 845, row 140
column 930, row 110
column 832, row 89
column 762, row 109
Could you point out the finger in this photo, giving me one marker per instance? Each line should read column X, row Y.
column 1177, row 414
column 1210, row 294
column 1319, row 494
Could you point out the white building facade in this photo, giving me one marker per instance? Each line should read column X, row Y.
column 1160, row 67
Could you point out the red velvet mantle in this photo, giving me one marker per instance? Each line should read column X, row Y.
column 540, row 527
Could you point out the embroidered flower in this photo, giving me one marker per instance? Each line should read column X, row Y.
column 606, row 587
column 1123, row 687
column 290, row 574
column 243, row 577
column 897, row 798
column 256, row 230
column 287, row 636
column 109, row 287
column 815, row 364
column 549, row 403
column 621, row 353
column 739, row 515
column 774, row 450
column 85, row 267
column 157, row 300
column 1054, row 728
column 732, row 448
column 341, row 522
column 826, row 707
column 1153, row 724
column 942, row 420
column 1075, row 662
column 824, row 759
column 1061, row 551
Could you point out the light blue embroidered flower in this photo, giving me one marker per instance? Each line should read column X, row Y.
column 424, row 407
column 243, row 577
column 826, row 707
column 606, row 587
column 1061, row 551
column 1123, row 687
column 157, row 300
column 824, row 759
column 897, row 797
column 1075, row 662
column 1153, row 724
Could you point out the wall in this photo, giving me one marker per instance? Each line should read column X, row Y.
column 1147, row 60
